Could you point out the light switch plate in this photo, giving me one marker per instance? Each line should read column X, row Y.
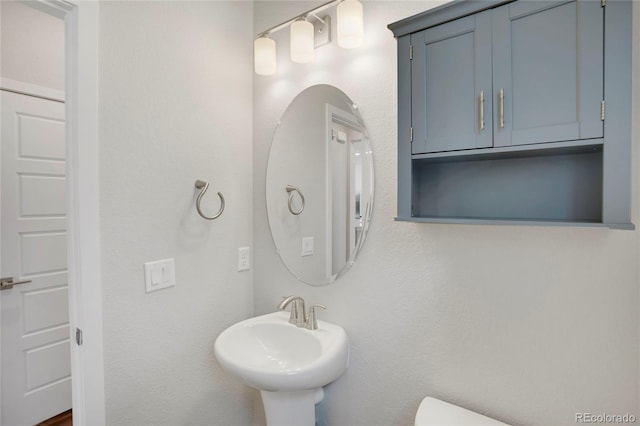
column 307, row 246
column 159, row 274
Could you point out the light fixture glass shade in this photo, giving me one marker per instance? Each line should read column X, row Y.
column 350, row 24
column 264, row 56
column 302, row 44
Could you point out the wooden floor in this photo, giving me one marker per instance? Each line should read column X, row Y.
column 62, row 419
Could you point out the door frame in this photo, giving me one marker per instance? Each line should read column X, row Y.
column 83, row 230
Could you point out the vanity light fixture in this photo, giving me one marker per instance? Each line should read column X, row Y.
column 350, row 24
column 264, row 55
column 308, row 31
column 302, row 41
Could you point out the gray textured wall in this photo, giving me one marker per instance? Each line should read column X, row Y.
column 175, row 106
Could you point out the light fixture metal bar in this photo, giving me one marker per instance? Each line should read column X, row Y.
column 317, row 18
column 312, row 12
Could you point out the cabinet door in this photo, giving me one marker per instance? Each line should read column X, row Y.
column 547, row 71
column 451, row 86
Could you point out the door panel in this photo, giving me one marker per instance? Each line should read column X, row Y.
column 451, row 67
column 33, row 130
column 35, row 365
column 550, row 71
column 47, row 364
column 43, row 252
column 42, row 195
column 45, row 308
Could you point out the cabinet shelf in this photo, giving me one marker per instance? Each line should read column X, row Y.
column 559, row 188
column 513, row 222
column 553, row 148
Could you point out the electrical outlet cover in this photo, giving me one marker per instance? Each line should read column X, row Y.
column 244, row 259
column 307, row 246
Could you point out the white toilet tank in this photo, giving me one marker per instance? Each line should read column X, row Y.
column 433, row 412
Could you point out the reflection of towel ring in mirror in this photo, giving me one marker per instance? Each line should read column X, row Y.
column 203, row 186
column 291, row 189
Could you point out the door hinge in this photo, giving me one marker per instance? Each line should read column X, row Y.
column 602, row 110
column 411, row 134
column 411, row 52
column 603, row 3
column 78, row 337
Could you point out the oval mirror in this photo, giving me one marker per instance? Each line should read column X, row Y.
column 319, row 185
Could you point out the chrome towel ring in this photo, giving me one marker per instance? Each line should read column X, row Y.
column 203, row 186
column 291, row 189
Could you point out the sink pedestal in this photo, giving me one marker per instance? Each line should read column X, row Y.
column 288, row 364
column 296, row 408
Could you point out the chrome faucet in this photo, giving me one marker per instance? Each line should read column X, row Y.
column 298, row 315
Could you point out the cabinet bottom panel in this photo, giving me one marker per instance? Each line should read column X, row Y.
column 542, row 188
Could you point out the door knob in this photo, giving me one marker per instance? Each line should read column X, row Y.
column 7, row 283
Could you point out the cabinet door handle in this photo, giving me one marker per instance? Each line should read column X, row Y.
column 482, row 110
column 501, row 107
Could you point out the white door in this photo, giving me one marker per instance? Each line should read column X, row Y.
column 35, row 363
column 339, row 175
column 345, row 166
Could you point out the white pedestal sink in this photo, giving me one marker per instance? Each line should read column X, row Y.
column 288, row 364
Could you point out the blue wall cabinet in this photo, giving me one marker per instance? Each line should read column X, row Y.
column 516, row 112
column 451, row 82
column 548, row 71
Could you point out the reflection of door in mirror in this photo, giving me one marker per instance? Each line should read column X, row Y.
column 344, row 187
column 357, row 153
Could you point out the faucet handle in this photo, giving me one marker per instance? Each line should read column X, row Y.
column 294, row 318
column 312, row 323
column 297, row 316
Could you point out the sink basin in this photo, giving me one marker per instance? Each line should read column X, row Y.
column 270, row 354
column 288, row 364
